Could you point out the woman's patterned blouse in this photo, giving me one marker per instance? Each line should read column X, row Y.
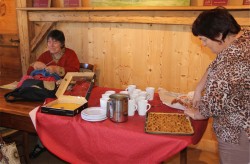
column 227, row 91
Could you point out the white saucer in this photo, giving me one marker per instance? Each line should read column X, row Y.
column 93, row 114
column 93, row 111
column 94, row 120
column 93, row 117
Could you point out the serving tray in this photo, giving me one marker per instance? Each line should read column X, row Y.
column 168, row 123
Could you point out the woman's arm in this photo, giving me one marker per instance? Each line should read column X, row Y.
column 40, row 63
column 194, row 114
column 199, row 88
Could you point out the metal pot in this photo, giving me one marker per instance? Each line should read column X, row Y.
column 117, row 107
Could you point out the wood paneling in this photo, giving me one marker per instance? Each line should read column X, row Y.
column 11, row 40
column 8, row 22
column 10, row 64
column 143, row 54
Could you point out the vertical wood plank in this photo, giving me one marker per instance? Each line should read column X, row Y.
column 23, row 35
column 8, row 24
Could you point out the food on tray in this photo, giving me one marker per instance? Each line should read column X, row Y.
column 67, row 106
column 168, row 123
column 183, row 100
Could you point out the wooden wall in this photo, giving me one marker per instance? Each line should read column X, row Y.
column 8, row 21
column 10, row 64
column 86, row 3
column 155, row 55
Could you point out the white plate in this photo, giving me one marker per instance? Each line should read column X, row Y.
column 93, row 117
column 93, row 111
column 94, row 120
column 93, row 114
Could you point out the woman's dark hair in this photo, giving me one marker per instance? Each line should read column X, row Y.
column 214, row 22
column 57, row 35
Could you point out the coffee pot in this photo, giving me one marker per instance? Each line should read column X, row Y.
column 117, row 107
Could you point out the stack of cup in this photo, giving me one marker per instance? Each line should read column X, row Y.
column 132, row 107
column 143, row 107
column 150, row 91
column 139, row 99
column 123, row 92
column 130, row 89
column 104, row 99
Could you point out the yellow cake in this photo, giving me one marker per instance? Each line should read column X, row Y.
column 168, row 123
column 67, row 106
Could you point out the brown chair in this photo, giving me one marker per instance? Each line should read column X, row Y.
column 85, row 67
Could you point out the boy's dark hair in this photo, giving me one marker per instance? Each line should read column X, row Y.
column 214, row 22
column 57, row 35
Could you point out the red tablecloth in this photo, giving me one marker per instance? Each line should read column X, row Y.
column 78, row 141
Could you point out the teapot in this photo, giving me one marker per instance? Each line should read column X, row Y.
column 117, row 107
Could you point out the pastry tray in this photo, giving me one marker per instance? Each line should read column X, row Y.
column 72, row 94
column 168, row 123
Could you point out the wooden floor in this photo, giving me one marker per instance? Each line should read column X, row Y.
column 195, row 156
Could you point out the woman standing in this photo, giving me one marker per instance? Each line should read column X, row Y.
column 226, row 84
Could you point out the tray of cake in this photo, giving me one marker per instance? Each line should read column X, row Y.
column 168, row 123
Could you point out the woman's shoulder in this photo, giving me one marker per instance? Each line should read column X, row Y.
column 243, row 41
column 246, row 33
column 69, row 51
column 45, row 54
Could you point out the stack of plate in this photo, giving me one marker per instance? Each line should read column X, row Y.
column 93, row 114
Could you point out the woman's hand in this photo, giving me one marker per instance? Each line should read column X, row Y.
column 56, row 69
column 194, row 114
column 52, row 69
column 39, row 65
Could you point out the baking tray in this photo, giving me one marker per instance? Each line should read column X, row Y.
column 168, row 123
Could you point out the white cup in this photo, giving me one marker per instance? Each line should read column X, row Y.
column 144, row 94
column 143, row 107
column 103, row 103
column 133, row 96
column 132, row 107
column 123, row 92
column 150, row 91
column 110, row 92
column 136, row 91
column 138, row 98
column 106, row 95
column 130, row 88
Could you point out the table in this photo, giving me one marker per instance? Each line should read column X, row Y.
column 78, row 141
column 16, row 116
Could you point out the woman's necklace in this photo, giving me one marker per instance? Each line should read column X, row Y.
column 57, row 57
